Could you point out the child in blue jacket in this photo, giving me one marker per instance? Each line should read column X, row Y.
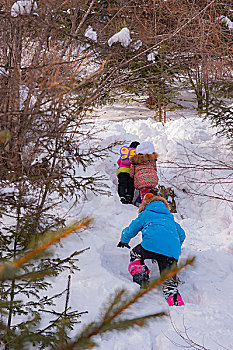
column 162, row 239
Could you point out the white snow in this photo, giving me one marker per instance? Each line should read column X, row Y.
column 3, row 71
column 137, row 44
column 207, row 317
column 123, row 37
column 227, row 21
column 8, row 191
column 23, row 7
column 23, row 94
column 152, row 56
column 91, row 34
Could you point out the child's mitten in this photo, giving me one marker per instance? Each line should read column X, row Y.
column 123, row 245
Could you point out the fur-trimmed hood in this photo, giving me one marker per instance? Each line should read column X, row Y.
column 143, row 158
column 160, row 233
column 150, row 200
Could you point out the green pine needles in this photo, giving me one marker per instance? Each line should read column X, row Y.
column 26, row 278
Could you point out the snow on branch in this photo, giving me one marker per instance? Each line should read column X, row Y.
column 122, row 37
column 152, row 56
column 227, row 21
column 91, row 34
column 3, row 71
column 23, row 7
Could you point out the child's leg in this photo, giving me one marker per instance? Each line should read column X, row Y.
column 143, row 191
column 137, row 267
column 122, row 185
column 170, row 285
column 130, row 189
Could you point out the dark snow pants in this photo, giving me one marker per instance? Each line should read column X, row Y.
column 126, row 187
column 140, row 271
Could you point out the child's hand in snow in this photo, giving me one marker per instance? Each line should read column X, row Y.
column 123, row 245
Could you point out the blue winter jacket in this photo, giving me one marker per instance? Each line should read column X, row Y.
column 160, row 233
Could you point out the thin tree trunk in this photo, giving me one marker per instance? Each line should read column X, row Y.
column 10, row 105
column 12, row 293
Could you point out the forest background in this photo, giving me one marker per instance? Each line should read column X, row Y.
column 59, row 61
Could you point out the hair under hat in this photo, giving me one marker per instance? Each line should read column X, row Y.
column 145, row 147
column 134, row 144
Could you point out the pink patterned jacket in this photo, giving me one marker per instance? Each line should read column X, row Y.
column 144, row 171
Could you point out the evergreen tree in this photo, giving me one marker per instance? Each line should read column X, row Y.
column 51, row 76
column 222, row 117
column 23, row 282
column 56, row 334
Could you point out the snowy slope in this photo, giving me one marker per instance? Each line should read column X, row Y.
column 207, row 318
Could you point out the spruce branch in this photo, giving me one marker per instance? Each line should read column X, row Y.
column 8, row 271
column 68, row 231
column 120, row 303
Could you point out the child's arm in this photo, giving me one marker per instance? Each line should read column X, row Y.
column 181, row 233
column 132, row 230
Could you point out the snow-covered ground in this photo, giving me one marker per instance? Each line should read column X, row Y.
column 137, row 109
column 207, row 318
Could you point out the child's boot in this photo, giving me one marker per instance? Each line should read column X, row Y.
column 175, row 300
column 171, row 293
column 129, row 199
column 140, row 273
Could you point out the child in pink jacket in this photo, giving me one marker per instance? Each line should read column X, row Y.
column 125, row 182
column 143, row 168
